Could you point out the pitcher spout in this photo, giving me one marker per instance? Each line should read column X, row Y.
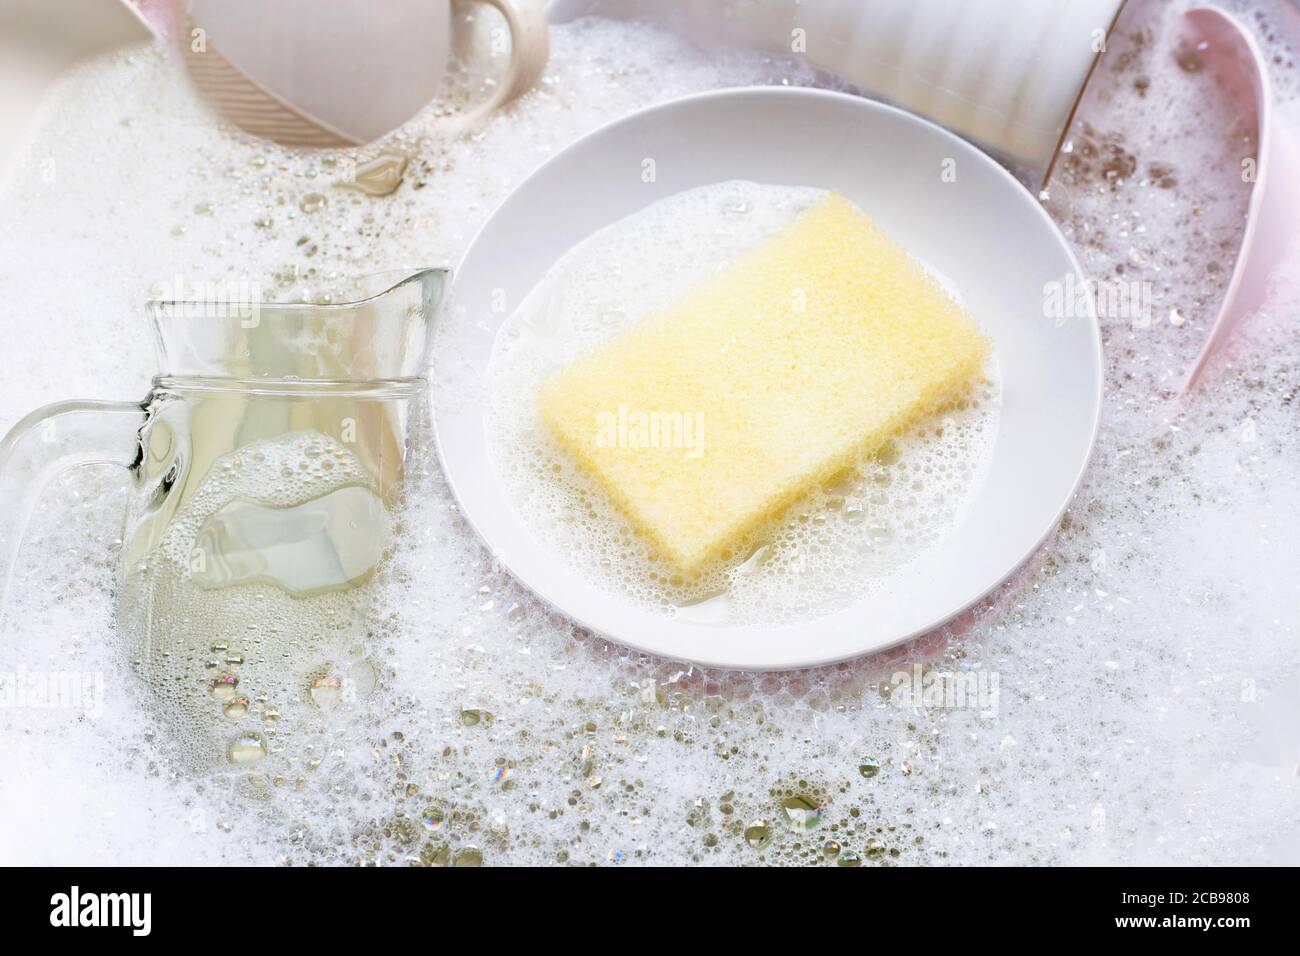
column 371, row 328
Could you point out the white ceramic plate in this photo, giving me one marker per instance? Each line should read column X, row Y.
column 984, row 232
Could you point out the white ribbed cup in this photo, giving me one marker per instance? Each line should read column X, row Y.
column 1006, row 74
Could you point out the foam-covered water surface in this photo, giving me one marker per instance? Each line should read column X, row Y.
column 1131, row 697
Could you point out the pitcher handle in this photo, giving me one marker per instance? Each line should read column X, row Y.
column 48, row 442
column 529, row 50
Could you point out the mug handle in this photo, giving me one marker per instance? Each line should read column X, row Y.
column 48, row 442
column 529, row 50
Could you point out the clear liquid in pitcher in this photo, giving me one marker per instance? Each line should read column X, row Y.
column 248, row 617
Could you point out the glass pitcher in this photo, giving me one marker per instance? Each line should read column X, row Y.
column 266, row 463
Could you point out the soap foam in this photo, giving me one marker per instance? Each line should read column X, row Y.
column 831, row 547
column 1150, row 679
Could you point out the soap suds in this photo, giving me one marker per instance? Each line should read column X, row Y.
column 1148, row 658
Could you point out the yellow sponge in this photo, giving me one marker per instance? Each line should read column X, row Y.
column 707, row 419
